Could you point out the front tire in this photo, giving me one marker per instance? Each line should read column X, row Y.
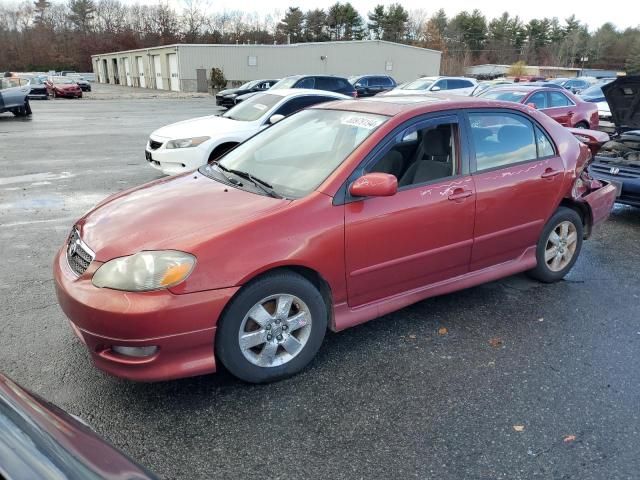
column 272, row 329
column 559, row 246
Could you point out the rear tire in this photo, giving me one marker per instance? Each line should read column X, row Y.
column 582, row 125
column 272, row 329
column 559, row 246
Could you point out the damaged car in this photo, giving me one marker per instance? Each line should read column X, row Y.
column 360, row 208
column 618, row 160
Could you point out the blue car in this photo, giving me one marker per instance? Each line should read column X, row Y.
column 618, row 160
column 14, row 96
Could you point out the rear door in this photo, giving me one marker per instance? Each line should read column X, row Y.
column 559, row 107
column 517, row 175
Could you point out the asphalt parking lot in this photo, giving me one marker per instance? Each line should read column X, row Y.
column 509, row 380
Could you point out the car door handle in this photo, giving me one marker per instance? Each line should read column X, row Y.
column 570, row 113
column 550, row 173
column 459, row 194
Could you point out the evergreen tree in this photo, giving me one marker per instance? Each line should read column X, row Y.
column 81, row 14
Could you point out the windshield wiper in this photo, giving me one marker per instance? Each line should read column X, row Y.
column 261, row 184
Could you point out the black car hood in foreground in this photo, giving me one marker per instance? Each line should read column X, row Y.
column 40, row 441
column 623, row 97
column 230, row 91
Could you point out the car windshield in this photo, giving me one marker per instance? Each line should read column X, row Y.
column 592, row 92
column 244, row 86
column 505, row 95
column 253, row 108
column 62, row 80
column 288, row 82
column 420, row 84
column 298, row 153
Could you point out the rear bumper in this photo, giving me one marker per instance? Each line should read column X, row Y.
column 182, row 327
column 600, row 203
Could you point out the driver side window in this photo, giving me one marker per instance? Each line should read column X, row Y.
column 422, row 156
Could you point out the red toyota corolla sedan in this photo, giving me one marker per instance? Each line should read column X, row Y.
column 560, row 104
column 330, row 217
column 63, row 87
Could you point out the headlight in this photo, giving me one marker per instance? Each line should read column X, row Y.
column 186, row 142
column 233, row 95
column 145, row 271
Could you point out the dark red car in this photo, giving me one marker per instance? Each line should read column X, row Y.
column 63, row 87
column 329, row 218
column 40, row 441
column 560, row 104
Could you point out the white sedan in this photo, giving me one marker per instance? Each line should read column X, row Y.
column 187, row 145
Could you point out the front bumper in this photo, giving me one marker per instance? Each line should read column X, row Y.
column 69, row 93
column 181, row 326
column 225, row 101
column 176, row 160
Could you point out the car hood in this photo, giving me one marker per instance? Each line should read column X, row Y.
column 623, row 97
column 202, row 126
column 171, row 213
column 65, row 86
column 247, row 95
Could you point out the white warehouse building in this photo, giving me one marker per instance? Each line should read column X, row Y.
column 186, row 67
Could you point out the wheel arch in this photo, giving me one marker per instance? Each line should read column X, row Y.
column 313, row 276
column 222, row 148
column 582, row 209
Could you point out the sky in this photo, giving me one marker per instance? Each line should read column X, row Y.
column 626, row 13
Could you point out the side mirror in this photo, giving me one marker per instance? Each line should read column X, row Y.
column 435, row 89
column 374, row 184
column 532, row 105
column 357, row 85
column 275, row 118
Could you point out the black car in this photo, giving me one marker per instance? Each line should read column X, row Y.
column 313, row 82
column 39, row 440
column 227, row 98
column 83, row 84
column 38, row 87
column 370, row 85
column 618, row 160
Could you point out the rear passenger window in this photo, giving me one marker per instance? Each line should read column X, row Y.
column 324, row 83
column 453, row 84
column 558, row 99
column 545, row 147
column 308, row 82
column 501, row 139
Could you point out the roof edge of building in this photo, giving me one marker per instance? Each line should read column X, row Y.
column 263, row 45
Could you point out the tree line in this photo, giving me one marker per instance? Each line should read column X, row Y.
column 45, row 35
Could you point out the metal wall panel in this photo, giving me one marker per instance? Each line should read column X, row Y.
column 250, row 62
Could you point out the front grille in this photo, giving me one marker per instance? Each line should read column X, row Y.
column 624, row 169
column 79, row 256
column 153, row 145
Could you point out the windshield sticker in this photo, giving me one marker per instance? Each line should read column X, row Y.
column 260, row 106
column 362, row 122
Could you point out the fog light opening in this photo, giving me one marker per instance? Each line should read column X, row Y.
column 138, row 352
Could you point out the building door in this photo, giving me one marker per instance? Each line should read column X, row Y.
column 201, row 75
column 105, row 71
column 140, row 64
column 127, row 70
column 116, row 76
column 174, row 79
column 157, row 68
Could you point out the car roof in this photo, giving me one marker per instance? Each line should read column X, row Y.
column 416, row 104
column 526, row 88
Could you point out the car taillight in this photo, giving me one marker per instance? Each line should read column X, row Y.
column 355, row 94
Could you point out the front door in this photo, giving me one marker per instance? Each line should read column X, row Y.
column 424, row 233
column 517, row 177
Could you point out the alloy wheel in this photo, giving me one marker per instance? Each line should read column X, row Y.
column 275, row 330
column 561, row 246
